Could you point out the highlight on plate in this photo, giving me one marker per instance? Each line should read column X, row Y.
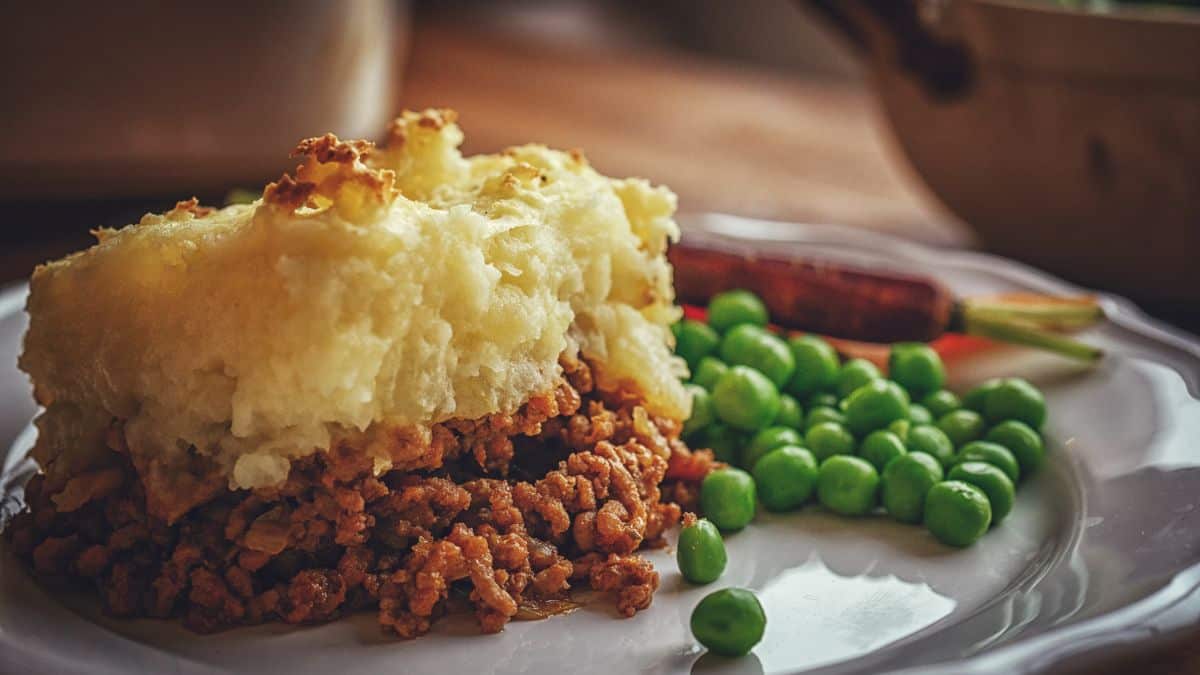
column 402, row 379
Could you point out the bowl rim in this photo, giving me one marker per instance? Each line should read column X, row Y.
column 1120, row 11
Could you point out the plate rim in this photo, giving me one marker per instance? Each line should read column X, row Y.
column 1125, row 629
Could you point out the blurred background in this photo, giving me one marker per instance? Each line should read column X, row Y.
column 1063, row 133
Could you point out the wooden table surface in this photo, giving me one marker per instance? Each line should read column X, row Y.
column 724, row 138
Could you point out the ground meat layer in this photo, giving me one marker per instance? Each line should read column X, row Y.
column 558, row 496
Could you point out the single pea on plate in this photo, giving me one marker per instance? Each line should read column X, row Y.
column 700, row 552
column 729, row 622
column 734, row 308
column 746, row 399
column 816, row 365
column 941, row 402
column 760, row 349
column 694, row 341
column 1022, row 441
column 791, row 413
column 905, row 483
column 827, row 439
column 916, row 367
column 976, row 397
column 962, row 426
column 708, row 371
column 1000, row 491
column 848, row 485
column 727, row 498
column 1015, row 399
column 881, row 447
column 767, row 440
column 821, row 413
column 957, row 513
column 785, row 478
column 931, row 441
column 990, row 453
column 919, row 414
column 854, row 374
column 702, row 411
column 875, row 405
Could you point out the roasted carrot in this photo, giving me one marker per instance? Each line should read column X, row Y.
column 844, row 301
column 821, row 297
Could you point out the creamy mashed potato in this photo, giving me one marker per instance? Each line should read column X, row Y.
column 376, row 290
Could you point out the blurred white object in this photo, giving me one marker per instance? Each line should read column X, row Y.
column 142, row 97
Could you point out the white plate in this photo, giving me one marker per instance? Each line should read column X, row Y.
column 1102, row 550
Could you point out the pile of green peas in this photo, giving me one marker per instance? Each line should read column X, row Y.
column 795, row 423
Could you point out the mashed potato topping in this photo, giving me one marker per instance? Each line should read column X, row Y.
column 378, row 289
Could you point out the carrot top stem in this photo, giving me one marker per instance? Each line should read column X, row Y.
column 1050, row 313
column 1030, row 335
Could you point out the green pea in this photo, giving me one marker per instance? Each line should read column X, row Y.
column 790, row 413
column 822, row 414
column 700, row 552
column 1015, row 399
column 745, row 398
column 957, row 513
column 821, row 399
column 729, row 622
column 847, row 485
column 735, row 308
column 919, row 414
column 916, row 367
column 727, row 498
column 708, row 371
column 975, row 399
column 702, row 411
column 941, row 402
column 1022, row 441
column 854, row 374
column 905, row 482
column 816, row 365
column 993, row 481
column 875, row 405
column 931, row 441
column 785, row 478
column 961, row 426
column 991, row 453
column 694, row 341
column 758, row 348
column 901, row 429
column 828, row 439
column 881, row 447
column 725, row 442
column 767, row 440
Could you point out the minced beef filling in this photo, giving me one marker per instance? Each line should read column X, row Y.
column 559, row 496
